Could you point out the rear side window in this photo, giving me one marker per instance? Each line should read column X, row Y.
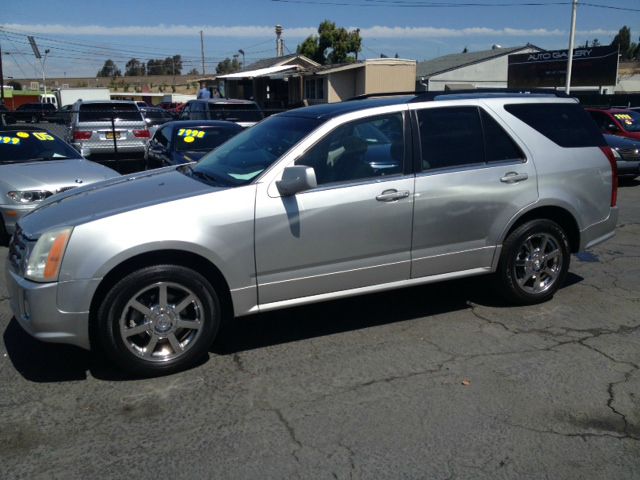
column 102, row 112
column 450, row 137
column 565, row 124
column 499, row 147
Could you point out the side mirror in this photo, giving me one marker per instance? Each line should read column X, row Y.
column 612, row 127
column 296, row 179
column 85, row 151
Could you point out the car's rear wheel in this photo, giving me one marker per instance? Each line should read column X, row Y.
column 534, row 262
column 158, row 320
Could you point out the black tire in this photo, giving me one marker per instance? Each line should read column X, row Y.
column 158, row 321
column 534, row 262
column 34, row 119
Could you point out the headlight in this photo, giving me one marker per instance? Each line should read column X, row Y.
column 46, row 257
column 29, row 196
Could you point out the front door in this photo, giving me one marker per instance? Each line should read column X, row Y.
column 353, row 230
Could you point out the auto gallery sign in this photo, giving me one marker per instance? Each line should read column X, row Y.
column 592, row 67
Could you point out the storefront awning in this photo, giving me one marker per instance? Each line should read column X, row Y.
column 261, row 72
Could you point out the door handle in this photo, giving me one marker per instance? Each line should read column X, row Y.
column 514, row 177
column 392, row 195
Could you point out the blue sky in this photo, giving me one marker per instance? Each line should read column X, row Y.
column 82, row 34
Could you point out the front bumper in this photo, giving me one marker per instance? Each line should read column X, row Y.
column 34, row 306
column 12, row 213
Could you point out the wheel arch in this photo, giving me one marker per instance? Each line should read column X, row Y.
column 161, row 257
column 559, row 215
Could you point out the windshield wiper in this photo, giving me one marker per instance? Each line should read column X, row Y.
column 207, row 177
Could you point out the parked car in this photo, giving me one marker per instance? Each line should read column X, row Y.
column 617, row 121
column 185, row 141
column 155, row 117
column 102, row 129
column 35, row 164
column 627, row 153
column 5, row 115
column 34, row 112
column 174, row 108
column 245, row 113
column 62, row 115
column 288, row 213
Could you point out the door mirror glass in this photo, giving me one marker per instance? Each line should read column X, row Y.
column 296, row 179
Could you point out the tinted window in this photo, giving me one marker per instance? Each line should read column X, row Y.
column 235, row 112
column 565, row 124
column 23, row 146
column 365, row 148
column 450, row 137
column 161, row 136
column 499, row 146
column 100, row 112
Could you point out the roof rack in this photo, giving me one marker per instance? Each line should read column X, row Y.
column 423, row 96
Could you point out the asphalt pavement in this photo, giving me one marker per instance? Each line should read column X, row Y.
column 437, row 382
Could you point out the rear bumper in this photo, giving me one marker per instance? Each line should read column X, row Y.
column 599, row 232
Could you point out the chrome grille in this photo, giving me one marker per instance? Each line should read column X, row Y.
column 629, row 154
column 18, row 252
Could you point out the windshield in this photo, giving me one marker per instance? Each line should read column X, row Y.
column 29, row 146
column 248, row 154
column 630, row 121
column 99, row 112
column 203, row 138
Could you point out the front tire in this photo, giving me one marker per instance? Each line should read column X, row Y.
column 158, row 320
column 534, row 262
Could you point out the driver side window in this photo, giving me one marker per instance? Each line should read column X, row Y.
column 368, row 148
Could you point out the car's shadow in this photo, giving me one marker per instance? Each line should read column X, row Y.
column 46, row 362
column 628, row 182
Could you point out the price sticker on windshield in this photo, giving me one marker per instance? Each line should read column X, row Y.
column 22, row 134
column 45, row 137
column 9, row 140
column 189, row 135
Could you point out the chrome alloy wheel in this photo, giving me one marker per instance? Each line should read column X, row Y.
column 538, row 263
column 161, row 322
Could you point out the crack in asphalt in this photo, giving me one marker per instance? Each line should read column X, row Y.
column 583, row 435
column 590, row 333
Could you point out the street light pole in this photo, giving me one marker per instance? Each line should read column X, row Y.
column 44, row 80
column 572, row 36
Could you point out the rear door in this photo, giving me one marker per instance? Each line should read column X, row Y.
column 473, row 178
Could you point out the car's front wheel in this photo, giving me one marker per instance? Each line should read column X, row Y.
column 158, row 320
column 534, row 262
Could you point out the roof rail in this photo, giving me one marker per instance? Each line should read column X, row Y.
column 423, row 96
column 488, row 92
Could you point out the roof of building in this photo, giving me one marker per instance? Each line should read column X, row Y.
column 457, row 60
column 277, row 61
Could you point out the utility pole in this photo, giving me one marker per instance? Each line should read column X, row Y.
column 202, row 51
column 279, row 46
column 1, row 79
column 572, row 35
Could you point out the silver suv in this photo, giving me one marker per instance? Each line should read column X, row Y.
column 314, row 204
column 108, row 127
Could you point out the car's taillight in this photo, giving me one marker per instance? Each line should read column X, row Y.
column 81, row 135
column 614, row 174
column 141, row 133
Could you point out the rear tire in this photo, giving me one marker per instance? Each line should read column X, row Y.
column 534, row 262
column 158, row 320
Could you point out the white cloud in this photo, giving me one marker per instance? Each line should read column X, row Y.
column 256, row 31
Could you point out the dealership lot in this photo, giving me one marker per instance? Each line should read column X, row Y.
column 442, row 381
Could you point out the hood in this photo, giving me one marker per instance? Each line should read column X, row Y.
column 112, row 197
column 621, row 142
column 53, row 175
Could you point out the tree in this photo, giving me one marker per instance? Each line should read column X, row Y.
column 166, row 66
column 135, row 68
column 623, row 41
column 193, row 71
column 228, row 66
column 109, row 69
column 332, row 44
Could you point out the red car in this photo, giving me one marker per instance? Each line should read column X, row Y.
column 617, row 121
